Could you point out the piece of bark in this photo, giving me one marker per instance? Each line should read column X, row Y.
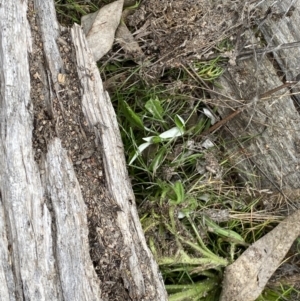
column 69, row 241
column 100, row 114
column 27, row 267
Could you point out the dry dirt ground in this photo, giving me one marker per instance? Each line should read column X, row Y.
column 175, row 32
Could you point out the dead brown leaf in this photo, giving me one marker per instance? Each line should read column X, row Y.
column 246, row 278
column 100, row 28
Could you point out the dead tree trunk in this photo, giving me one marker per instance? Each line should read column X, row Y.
column 265, row 147
column 69, row 227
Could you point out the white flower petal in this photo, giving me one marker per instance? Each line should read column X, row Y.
column 148, row 139
column 209, row 114
column 142, row 147
column 171, row 133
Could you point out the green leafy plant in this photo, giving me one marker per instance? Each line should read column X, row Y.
column 164, row 137
column 209, row 71
column 70, row 11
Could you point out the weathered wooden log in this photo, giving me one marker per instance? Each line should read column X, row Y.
column 266, row 134
column 265, row 148
column 69, row 227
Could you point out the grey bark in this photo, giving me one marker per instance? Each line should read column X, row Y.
column 44, row 249
column 265, row 150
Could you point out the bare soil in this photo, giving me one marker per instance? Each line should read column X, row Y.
column 172, row 32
